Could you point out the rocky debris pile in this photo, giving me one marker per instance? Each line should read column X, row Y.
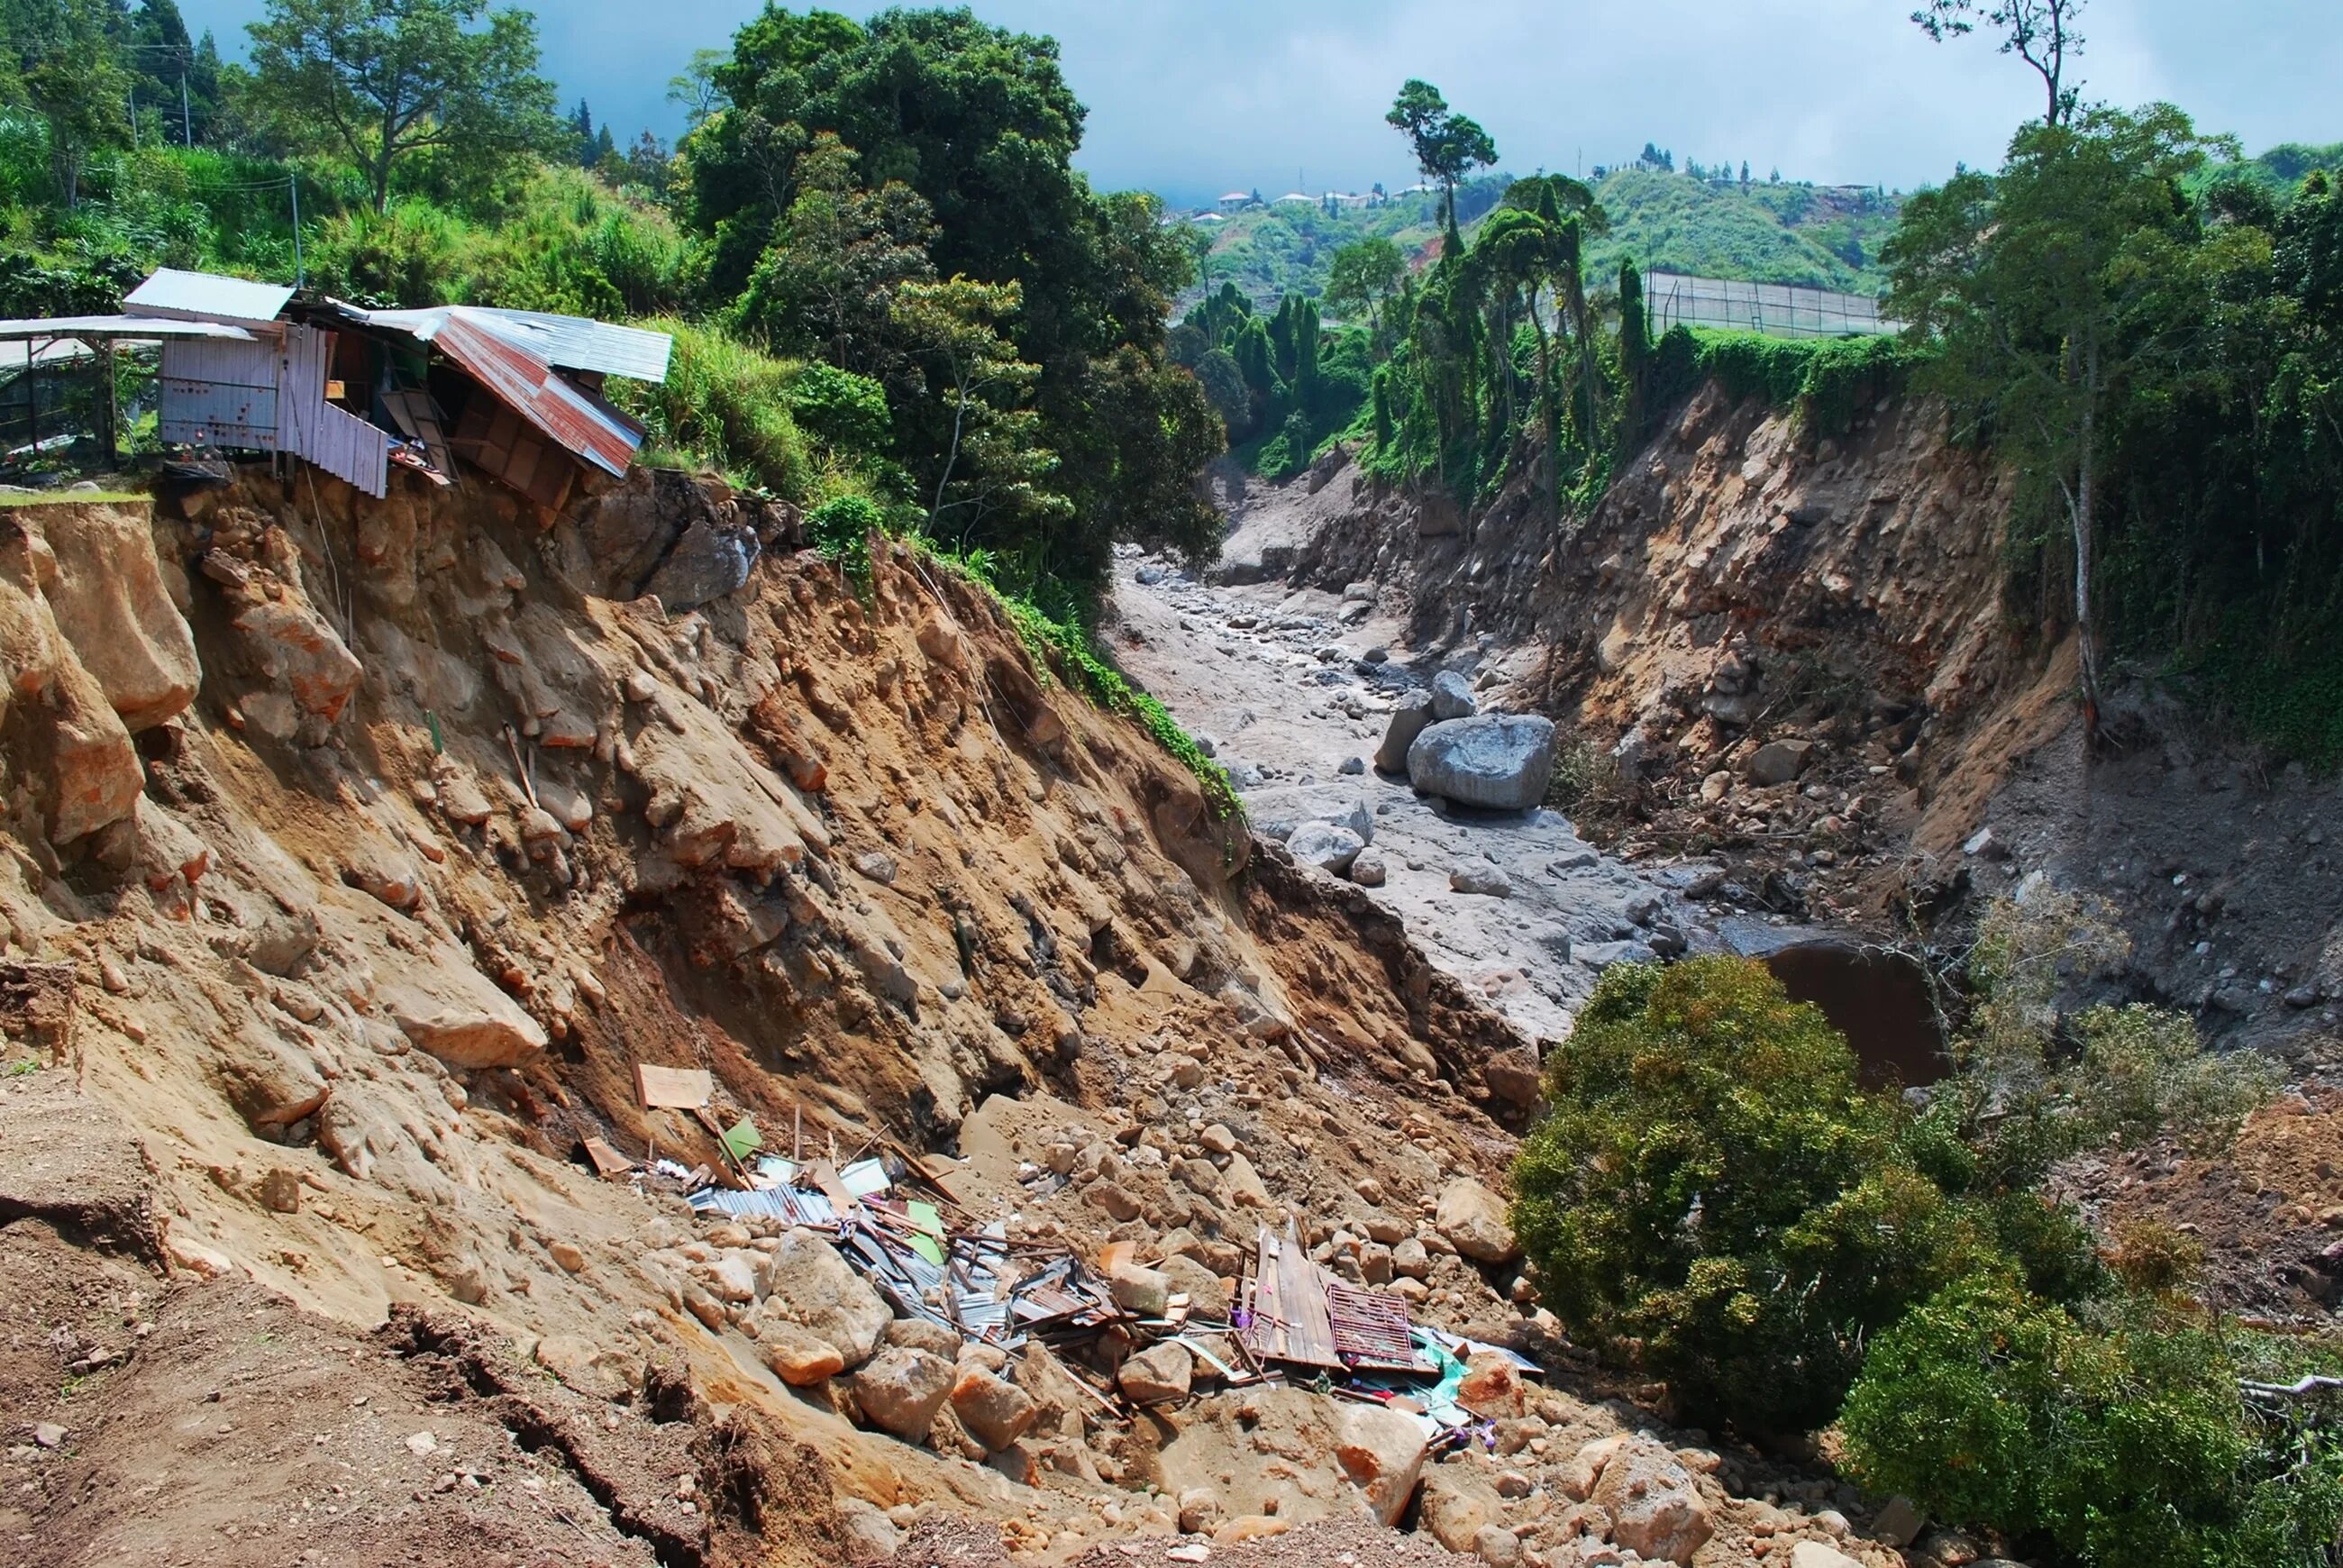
column 1445, row 745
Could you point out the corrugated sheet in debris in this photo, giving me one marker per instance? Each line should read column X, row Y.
column 577, row 343
column 570, row 415
column 579, row 421
column 194, row 296
column 783, row 1203
column 131, row 327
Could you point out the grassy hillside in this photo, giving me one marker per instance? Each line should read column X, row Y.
column 2281, row 169
column 1823, row 236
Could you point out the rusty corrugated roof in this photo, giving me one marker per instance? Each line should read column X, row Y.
column 578, row 343
column 484, row 347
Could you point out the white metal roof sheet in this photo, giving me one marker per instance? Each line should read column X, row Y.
column 194, row 296
column 578, row 343
column 131, row 326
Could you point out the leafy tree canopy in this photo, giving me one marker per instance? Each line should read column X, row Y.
column 377, row 81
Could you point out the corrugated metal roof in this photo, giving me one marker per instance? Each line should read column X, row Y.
column 197, row 296
column 146, row 328
column 577, row 343
column 480, row 342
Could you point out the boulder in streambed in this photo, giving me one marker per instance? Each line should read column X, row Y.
column 1408, row 720
column 1500, row 761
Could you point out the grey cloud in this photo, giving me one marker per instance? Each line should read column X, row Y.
column 1196, row 97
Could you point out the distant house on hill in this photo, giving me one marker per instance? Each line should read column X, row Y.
column 1239, row 198
column 1294, row 196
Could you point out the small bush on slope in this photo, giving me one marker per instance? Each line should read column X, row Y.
column 2116, row 1433
column 1713, row 1196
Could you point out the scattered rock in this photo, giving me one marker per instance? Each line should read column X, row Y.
column 1408, row 720
column 1369, row 869
column 1816, row 1555
column 799, row 1357
column 1330, row 849
column 1207, row 1297
column 1655, row 1507
column 1383, row 1453
column 1778, row 761
column 1484, row 880
column 901, row 1390
column 996, row 1412
column 1513, row 1076
column 1451, row 697
column 1454, row 1509
column 1473, row 1219
column 805, row 1281
column 1352, row 766
column 1146, row 1292
column 1157, row 1375
column 1898, row 1523
column 449, row 1008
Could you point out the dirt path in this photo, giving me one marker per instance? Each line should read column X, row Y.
column 1286, row 687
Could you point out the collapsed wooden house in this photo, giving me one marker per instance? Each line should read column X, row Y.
column 246, row 367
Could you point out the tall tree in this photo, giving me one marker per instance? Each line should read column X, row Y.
column 827, row 282
column 2033, row 283
column 381, row 80
column 695, row 87
column 1448, row 145
column 63, row 69
column 1361, row 276
column 993, row 459
column 977, row 121
column 2040, row 32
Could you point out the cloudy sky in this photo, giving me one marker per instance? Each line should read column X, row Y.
column 1192, row 97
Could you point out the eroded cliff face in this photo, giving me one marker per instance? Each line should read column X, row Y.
column 1800, row 656
column 359, row 851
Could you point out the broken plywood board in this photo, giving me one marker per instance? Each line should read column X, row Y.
column 1290, row 1320
column 673, row 1088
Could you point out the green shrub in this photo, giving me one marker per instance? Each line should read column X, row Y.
column 840, row 529
column 839, row 407
column 2123, row 1440
column 1714, row 1199
column 411, row 255
column 727, row 405
column 1826, row 381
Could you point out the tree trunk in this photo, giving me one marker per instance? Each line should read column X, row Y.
column 1545, row 409
column 2086, row 641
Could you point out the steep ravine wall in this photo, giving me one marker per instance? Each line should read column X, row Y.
column 1745, row 582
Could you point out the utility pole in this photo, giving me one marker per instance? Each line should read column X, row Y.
column 186, row 119
column 299, row 277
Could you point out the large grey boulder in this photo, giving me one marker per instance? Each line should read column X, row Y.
column 1451, row 697
column 1325, row 845
column 1407, row 722
column 1503, row 761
